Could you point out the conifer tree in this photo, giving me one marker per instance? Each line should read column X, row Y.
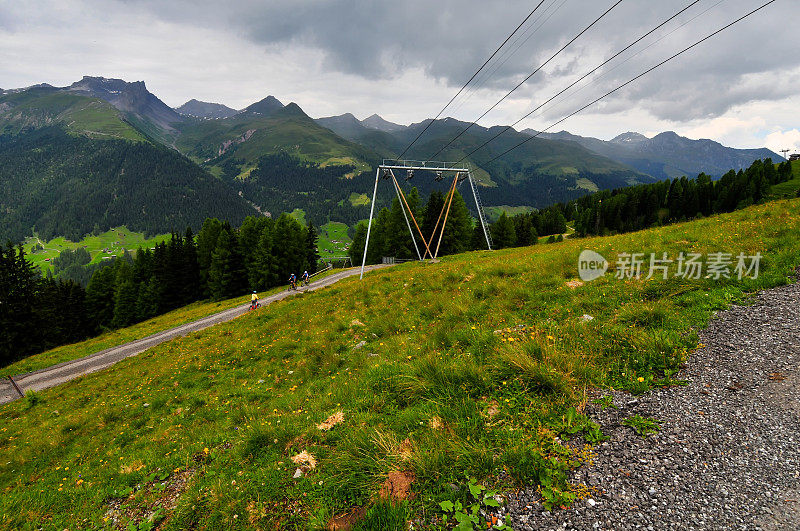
column 226, row 274
column 125, row 296
column 503, row 234
column 249, row 235
column 264, row 274
column 431, row 213
column 356, row 250
column 458, row 229
column 190, row 269
column 289, row 247
column 100, row 297
column 19, row 288
column 312, row 254
column 206, row 243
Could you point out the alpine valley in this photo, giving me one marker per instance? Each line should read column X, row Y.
column 101, row 153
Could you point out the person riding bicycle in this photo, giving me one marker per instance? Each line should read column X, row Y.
column 293, row 281
column 304, row 278
column 253, row 300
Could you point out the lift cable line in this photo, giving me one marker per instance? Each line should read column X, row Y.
column 576, row 37
column 665, row 61
column 470, row 79
column 627, row 59
column 512, row 48
column 595, row 69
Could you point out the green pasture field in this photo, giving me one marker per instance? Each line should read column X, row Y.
column 329, row 233
column 103, row 246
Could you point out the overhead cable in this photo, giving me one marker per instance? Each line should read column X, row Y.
column 576, row 37
column 471, row 78
column 665, row 61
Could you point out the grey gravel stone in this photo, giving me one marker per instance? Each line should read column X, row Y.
column 728, row 453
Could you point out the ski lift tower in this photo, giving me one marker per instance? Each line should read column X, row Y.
column 442, row 171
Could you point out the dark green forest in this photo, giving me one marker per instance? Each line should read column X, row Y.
column 643, row 206
column 67, row 185
column 281, row 183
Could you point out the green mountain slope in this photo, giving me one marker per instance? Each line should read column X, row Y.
column 538, row 173
column 63, row 184
column 234, row 145
column 45, row 106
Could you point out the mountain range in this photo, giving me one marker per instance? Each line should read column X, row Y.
column 274, row 157
column 667, row 155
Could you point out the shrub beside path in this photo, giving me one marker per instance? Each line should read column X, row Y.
column 728, row 453
column 69, row 370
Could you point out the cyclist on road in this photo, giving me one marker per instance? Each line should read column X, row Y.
column 253, row 300
column 293, row 281
column 304, row 278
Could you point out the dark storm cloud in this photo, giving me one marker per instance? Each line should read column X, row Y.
column 450, row 38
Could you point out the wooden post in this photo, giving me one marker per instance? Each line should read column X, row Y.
column 16, row 387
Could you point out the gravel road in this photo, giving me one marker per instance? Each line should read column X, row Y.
column 69, row 370
column 728, row 453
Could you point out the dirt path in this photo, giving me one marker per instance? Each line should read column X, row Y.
column 69, row 370
column 728, row 453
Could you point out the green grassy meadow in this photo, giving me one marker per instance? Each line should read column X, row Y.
column 299, row 215
column 473, row 367
column 116, row 240
column 333, row 231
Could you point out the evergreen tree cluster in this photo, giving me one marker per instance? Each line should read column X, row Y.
column 525, row 229
column 36, row 313
column 390, row 236
column 260, row 255
column 75, row 266
column 639, row 207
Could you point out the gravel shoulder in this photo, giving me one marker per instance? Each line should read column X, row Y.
column 69, row 370
column 728, row 453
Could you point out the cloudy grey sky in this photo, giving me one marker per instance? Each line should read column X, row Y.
column 405, row 59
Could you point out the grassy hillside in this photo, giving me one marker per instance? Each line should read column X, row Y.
column 113, row 338
column 250, row 137
column 493, row 213
column 42, row 107
column 113, row 242
column 469, row 366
